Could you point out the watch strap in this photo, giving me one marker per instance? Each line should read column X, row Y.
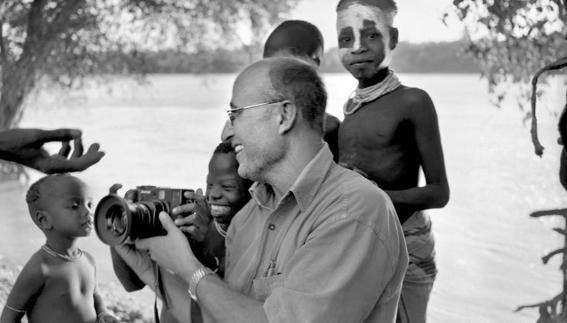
column 196, row 278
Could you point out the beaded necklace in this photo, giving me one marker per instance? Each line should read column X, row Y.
column 74, row 256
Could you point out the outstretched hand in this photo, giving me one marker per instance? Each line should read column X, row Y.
column 25, row 146
column 171, row 251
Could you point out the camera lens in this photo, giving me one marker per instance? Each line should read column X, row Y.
column 112, row 219
column 117, row 219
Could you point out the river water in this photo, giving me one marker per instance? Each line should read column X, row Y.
column 488, row 248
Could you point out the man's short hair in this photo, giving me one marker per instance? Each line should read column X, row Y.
column 388, row 6
column 296, row 37
column 295, row 80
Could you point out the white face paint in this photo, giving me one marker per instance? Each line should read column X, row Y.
column 354, row 16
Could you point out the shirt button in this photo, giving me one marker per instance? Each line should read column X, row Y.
column 272, row 227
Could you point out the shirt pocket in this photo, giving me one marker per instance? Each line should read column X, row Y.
column 263, row 287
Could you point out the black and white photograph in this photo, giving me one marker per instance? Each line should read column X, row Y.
column 313, row 161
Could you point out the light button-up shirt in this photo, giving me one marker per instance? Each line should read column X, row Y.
column 330, row 250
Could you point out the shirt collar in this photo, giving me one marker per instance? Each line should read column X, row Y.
column 305, row 186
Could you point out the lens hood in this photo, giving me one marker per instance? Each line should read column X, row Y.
column 112, row 220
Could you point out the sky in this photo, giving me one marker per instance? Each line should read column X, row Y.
column 417, row 20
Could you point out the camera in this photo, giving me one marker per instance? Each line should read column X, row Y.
column 118, row 220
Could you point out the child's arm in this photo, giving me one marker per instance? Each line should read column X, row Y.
column 24, row 292
column 435, row 194
column 102, row 316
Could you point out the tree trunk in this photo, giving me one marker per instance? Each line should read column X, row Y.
column 16, row 84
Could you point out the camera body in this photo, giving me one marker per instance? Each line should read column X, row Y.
column 136, row 216
column 174, row 197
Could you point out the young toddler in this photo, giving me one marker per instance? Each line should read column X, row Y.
column 58, row 283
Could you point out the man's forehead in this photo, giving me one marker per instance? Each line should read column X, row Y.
column 251, row 82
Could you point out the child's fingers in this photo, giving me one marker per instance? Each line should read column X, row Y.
column 195, row 233
column 194, row 195
column 183, row 210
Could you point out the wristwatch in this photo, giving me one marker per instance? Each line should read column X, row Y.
column 195, row 279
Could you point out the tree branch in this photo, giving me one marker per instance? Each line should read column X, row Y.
column 3, row 53
column 552, row 303
column 557, row 65
column 546, row 258
column 537, row 214
column 33, row 21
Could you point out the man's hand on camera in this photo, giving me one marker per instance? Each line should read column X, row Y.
column 193, row 218
column 171, row 251
column 25, row 146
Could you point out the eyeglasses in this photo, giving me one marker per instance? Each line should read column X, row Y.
column 232, row 115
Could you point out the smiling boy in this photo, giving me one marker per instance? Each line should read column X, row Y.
column 225, row 195
column 389, row 132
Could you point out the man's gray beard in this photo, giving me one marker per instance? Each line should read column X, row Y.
column 262, row 174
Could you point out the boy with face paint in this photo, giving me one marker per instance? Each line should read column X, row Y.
column 389, row 132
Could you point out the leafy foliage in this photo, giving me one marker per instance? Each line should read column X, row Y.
column 62, row 41
column 512, row 39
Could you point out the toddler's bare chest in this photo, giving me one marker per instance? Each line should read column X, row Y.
column 71, row 280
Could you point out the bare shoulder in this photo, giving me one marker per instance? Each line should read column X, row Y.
column 417, row 101
column 36, row 265
column 414, row 95
column 33, row 273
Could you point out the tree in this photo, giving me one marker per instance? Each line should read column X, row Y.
column 517, row 41
column 512, row 40
column 63, row 41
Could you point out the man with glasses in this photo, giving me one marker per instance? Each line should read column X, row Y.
column 317, row 242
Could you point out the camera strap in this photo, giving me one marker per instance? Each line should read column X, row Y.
column 158, row 288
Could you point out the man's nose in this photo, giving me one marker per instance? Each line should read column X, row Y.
column 227, row 132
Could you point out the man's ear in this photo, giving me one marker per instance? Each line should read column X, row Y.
column 43, row 220
column 394, row 34
column 288, row 116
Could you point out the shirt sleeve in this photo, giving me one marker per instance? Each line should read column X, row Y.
column 343, row 270
column 126, row 275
